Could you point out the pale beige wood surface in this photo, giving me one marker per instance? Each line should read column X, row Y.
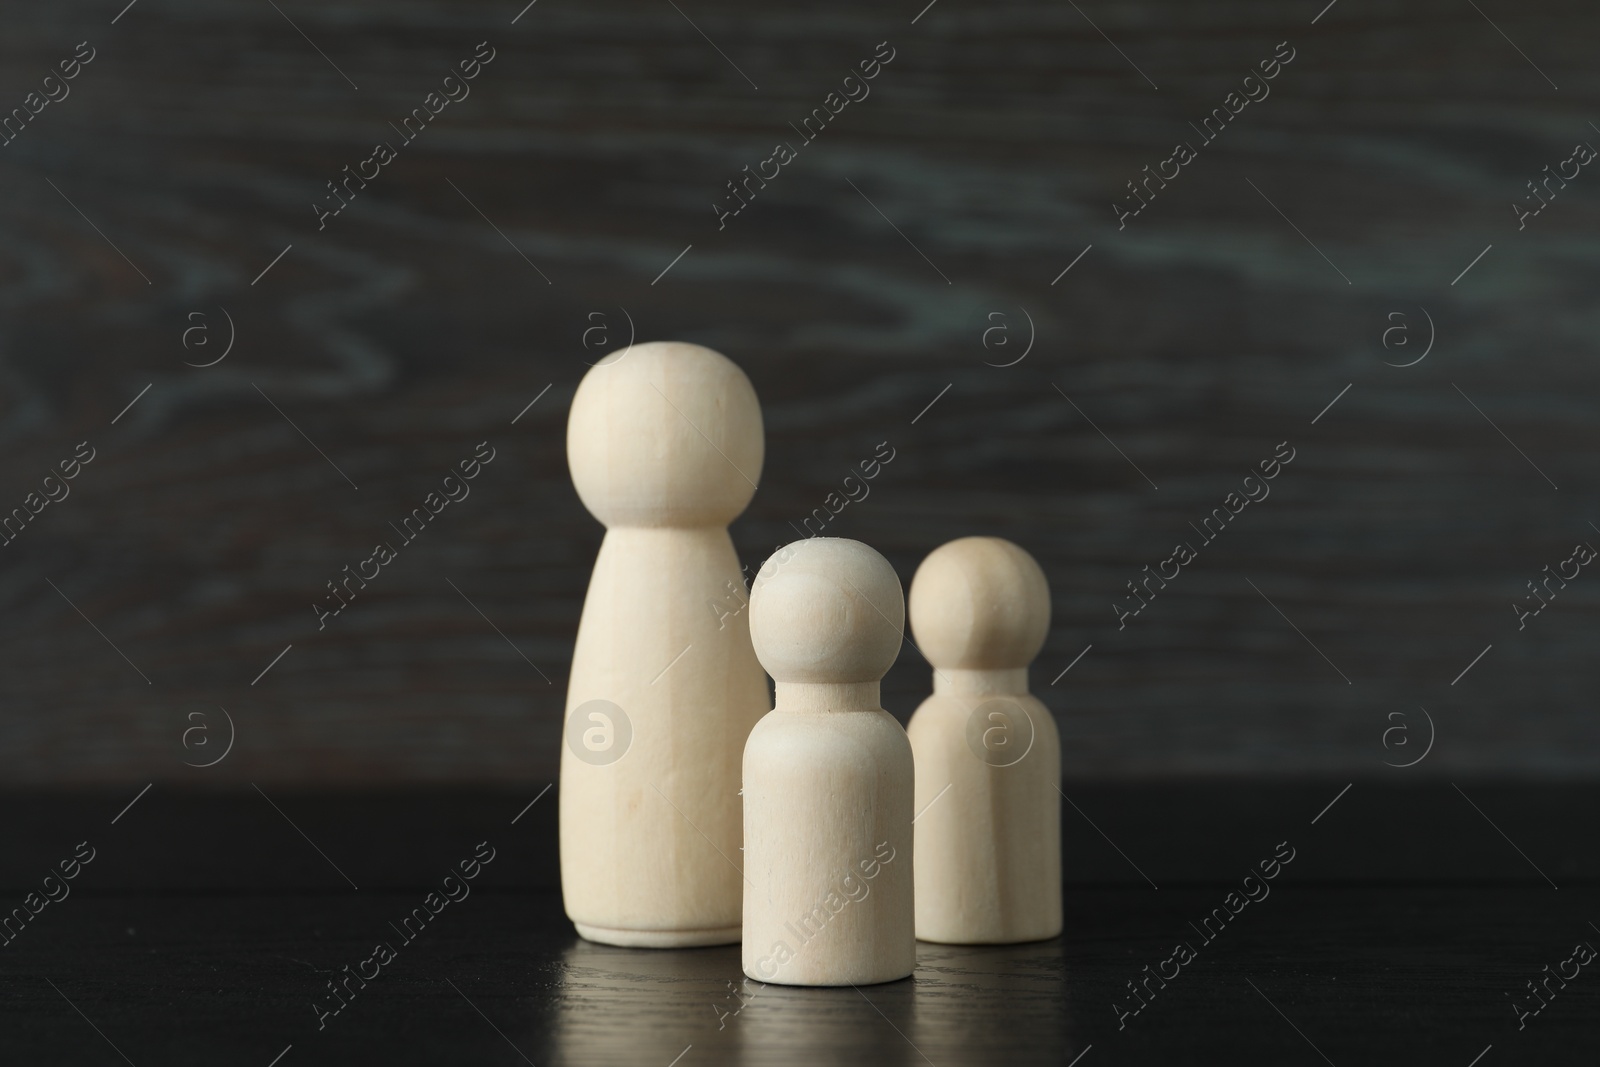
column 827, row 775
column 988, row 754
column 665, row 447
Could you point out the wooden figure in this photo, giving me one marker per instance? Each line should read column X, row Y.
column 664, row 442
column 827, row 775
column 988, row 832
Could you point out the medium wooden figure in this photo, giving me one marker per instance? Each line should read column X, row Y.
column 827, row 775
column 988, row 836
column 664, row 442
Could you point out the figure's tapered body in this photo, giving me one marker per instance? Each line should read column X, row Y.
column 988, row 754
column 664, row 443
column 989, row 856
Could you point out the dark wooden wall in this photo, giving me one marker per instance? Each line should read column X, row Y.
column 855, row 289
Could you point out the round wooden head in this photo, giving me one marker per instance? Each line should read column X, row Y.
column 665, row 434
column 980, row 603
column 827, row 609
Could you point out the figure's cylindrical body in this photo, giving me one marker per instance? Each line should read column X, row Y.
column 988, row 852
column 828, row 849
column 649, row 842
column 828, row 776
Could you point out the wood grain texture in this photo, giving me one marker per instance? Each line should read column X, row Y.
column 591, row 152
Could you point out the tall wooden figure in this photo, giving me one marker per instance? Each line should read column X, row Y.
column 827, row 775
column 988, row 753
column 664, row 442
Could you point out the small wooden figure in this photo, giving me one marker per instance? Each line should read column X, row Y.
column 827, row 775
column 664, row 442
column 988, row 836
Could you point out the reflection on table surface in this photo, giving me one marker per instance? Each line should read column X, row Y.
column 633, row 1006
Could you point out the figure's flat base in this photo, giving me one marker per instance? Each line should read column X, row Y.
column 819, row 984
column 608, row 935
column 1020, row 939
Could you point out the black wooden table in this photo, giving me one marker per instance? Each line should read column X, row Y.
column 208, row 928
